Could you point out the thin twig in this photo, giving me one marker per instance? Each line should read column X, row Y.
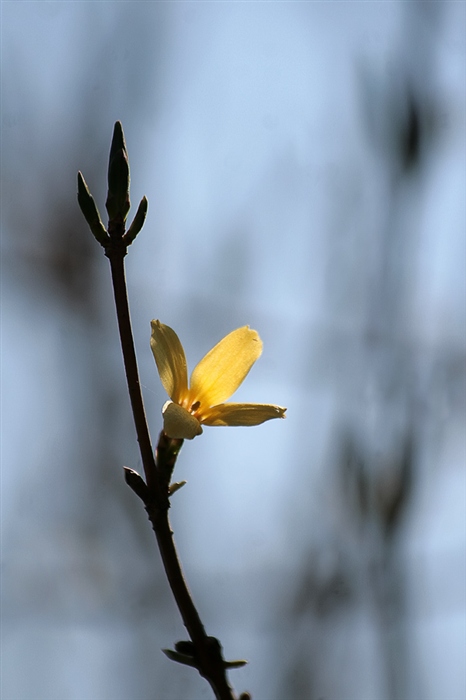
column 157, row 501
column 154, row 492
column 131, row 369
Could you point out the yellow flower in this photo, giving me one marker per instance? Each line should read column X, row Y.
column 214, row 379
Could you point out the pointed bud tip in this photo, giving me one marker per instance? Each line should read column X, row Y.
column 138, row 222
column 118, row 140
column 82, row 184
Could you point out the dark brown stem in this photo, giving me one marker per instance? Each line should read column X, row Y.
column 208, row 650
column 209, row 660
column 204, row 652
column 116, row 258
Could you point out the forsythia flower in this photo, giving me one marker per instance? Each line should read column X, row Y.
column 214, row 379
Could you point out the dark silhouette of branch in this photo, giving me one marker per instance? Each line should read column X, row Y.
column 203, row 652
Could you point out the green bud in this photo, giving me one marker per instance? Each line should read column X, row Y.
column 118, row 203
column 176, row 486
column 138, row 222
column 238, row 663
column 90, row 211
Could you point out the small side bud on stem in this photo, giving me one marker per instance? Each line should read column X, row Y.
column 138, row 222
column 176, row 486
column 91, row 213
column 185, row 653
column 137, row 483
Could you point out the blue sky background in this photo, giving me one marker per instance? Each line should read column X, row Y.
column 305, row 169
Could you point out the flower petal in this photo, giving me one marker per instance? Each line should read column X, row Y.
column 221, row 371
column 179, row 423
column 170, row 359
column 242, row 414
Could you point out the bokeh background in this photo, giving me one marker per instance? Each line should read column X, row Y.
column 305, row 169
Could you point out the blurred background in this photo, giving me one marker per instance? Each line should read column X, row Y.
column 304, row 164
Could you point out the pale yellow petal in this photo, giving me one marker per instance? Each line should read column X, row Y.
column 222, row 370
column 179, row 423
column 170, row 359
column 242, row 414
